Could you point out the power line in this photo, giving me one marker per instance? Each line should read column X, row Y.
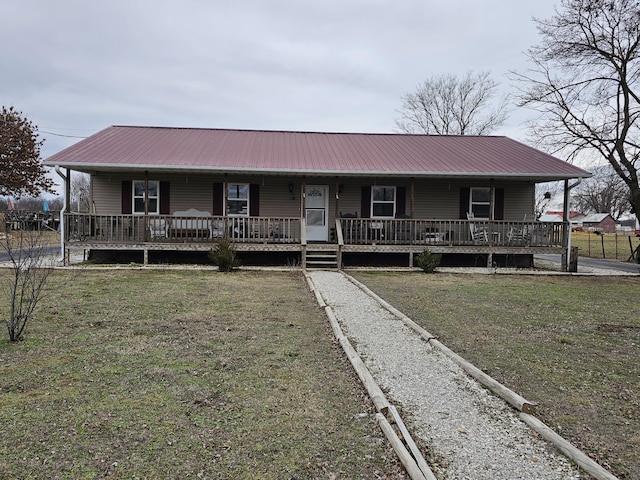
column 60, row 134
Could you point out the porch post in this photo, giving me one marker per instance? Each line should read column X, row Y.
column 412, row 193
column 67, row 190
column 225, row 201
column 146, row 206
column 303, row 223
column 492, row 199
column 303, row 196
column 92, row 205
column 336, row 212
column 566, row 230
column 492, row 204
column 66, row 256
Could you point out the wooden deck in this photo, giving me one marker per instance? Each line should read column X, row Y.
column 348, row 235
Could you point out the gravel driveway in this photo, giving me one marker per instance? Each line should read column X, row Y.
column 470, row 433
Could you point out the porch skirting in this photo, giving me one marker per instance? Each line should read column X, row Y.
column 297, row 249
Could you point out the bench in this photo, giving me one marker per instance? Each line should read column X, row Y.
column 195, row 223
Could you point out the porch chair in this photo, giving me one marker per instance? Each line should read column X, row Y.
column 158, row 228
column 520, row 236
column 478, row 234
column 217, row 229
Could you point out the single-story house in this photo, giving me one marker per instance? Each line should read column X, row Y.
column 327, row 198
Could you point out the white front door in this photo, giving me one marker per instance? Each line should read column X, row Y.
column 316, row 208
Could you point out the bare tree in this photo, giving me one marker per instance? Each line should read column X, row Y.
column 544, row 196
column 605, row 192
column 23, row 283
column 56, row 203
column 584, row 82
column 30, row 204
column 80, row 192
column 447, row 105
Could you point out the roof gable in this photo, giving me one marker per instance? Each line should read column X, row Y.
column 307, row 153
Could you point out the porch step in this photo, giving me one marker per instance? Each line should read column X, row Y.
column 322, row 259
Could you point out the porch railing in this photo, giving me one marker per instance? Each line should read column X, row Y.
column 450, row 232
column 85, row 228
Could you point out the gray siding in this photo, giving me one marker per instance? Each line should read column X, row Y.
column 437, row 199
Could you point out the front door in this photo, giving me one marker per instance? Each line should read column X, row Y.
column 316, row 208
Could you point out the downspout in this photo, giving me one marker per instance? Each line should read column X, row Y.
column 62, row 212
column 567, row 219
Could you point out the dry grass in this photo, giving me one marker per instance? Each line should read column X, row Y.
column 615, row 246
column 570, row 343
column 44, row 237
column 183, row 375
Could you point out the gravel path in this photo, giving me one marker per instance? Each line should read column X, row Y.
column 471, row 433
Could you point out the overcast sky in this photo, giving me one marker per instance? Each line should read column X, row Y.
column 74, row 67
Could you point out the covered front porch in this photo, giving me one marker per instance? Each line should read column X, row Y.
column 408, row 236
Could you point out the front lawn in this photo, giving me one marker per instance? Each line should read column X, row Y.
column 570, row 343
column 183, row 374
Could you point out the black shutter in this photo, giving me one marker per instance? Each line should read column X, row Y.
column 365, row 202
column 254, row 200
column 127, row 199
column 401, row 201
column 498, row 209
column 218, row 199
column 165, row 198
column 464, row 202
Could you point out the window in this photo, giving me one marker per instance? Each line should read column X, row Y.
column 238, row 199
column 139, row 197
column 480, row 202
column 383, row 202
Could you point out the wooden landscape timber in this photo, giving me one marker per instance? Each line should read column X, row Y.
column 401, row 441
column 526, row 408
column 581, row 459
column 415, row 451
column 496, row 387
column 403, row 454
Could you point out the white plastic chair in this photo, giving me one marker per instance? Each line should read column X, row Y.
column 478, row 234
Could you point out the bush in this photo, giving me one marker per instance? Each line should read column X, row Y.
column 428, row 261
column 23, row 282
column 224, row 255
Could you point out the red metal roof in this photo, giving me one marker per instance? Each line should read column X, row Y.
column 306, row 153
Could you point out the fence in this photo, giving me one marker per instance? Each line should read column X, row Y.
column 614, row 246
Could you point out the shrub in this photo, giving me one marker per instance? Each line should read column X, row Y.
column 23, row 282
column 224, row 255
column 428, row 261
